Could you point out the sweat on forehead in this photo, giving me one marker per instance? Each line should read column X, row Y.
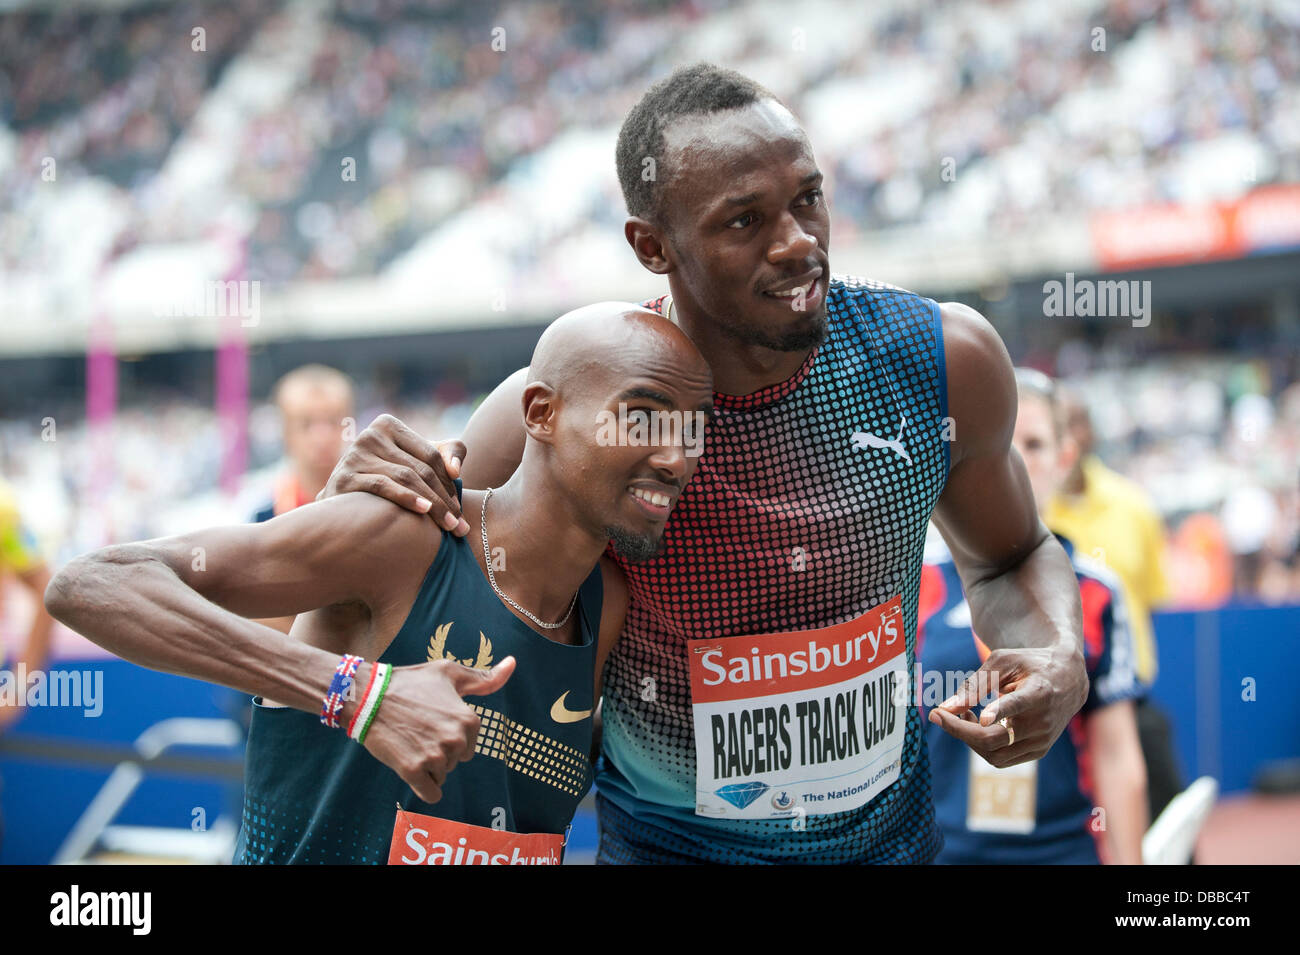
column 607, row 340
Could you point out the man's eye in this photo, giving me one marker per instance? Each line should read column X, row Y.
column 813, row 196
column 741, row 222
column 638, row 416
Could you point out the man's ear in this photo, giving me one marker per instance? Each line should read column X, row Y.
column 541, row 410
column 647, row 242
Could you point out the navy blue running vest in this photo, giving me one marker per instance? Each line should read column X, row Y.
column 312, row 795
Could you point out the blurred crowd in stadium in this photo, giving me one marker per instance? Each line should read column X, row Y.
column 1016, row 95
column 455, row 141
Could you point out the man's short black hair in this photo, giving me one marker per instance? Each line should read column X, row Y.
column 691, row 90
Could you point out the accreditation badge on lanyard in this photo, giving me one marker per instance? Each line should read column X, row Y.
column 1000, row 799
column 804, row 723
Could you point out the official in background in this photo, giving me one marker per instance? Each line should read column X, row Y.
column 316, row 403
column 20, row 561
column 1083, row 802
column 1111, row 519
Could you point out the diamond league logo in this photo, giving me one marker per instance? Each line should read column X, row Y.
column 741, row 795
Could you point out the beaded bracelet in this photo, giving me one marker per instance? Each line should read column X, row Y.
column 356, row 715
column 343, row 674
column 370, row 706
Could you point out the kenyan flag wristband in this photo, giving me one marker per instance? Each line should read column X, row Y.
column 373, row 699
column 356, row 715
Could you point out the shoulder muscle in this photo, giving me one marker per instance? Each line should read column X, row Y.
column 981, row 383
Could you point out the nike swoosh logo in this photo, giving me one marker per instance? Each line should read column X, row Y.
column 562, row 715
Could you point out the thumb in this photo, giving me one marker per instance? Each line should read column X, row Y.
column 470, row 682
column 453, row 456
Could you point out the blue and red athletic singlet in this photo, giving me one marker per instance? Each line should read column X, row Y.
column 780, row 619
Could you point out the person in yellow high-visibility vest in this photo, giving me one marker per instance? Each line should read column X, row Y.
column 1111, row 519
column 21, row 559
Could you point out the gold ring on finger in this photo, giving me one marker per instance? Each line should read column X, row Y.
column 1006, row 725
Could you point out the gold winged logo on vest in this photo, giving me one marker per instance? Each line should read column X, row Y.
column 438, row 649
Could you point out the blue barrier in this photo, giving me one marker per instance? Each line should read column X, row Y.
column 1224, row 680
column 42, row 800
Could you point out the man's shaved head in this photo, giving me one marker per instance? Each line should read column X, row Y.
column 586, row 347
column 615, row 408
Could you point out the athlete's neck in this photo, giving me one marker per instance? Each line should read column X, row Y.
column 739, row 368
column 540, row 555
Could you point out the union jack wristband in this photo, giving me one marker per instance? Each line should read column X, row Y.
column 339, row 686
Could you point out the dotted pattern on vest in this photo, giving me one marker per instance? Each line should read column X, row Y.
column 534, row 754
column 298, row 834
column 789, row 524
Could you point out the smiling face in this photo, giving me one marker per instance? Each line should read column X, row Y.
column 745, row 223
column 626, row 425
column 650, row 432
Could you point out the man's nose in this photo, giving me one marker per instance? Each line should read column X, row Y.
column 669, row 459
column 792, row 241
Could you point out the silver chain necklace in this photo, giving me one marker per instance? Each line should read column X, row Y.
column 487, row 559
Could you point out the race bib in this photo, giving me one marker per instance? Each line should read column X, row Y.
column 428, row 840
column 805, row 723
column 1001, row 800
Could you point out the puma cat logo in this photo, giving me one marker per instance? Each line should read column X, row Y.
column 863, row 440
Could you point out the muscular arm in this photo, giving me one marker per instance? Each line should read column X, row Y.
column 179, row 604
column 390, row 460
column 494, row 437
column 1023, row 594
